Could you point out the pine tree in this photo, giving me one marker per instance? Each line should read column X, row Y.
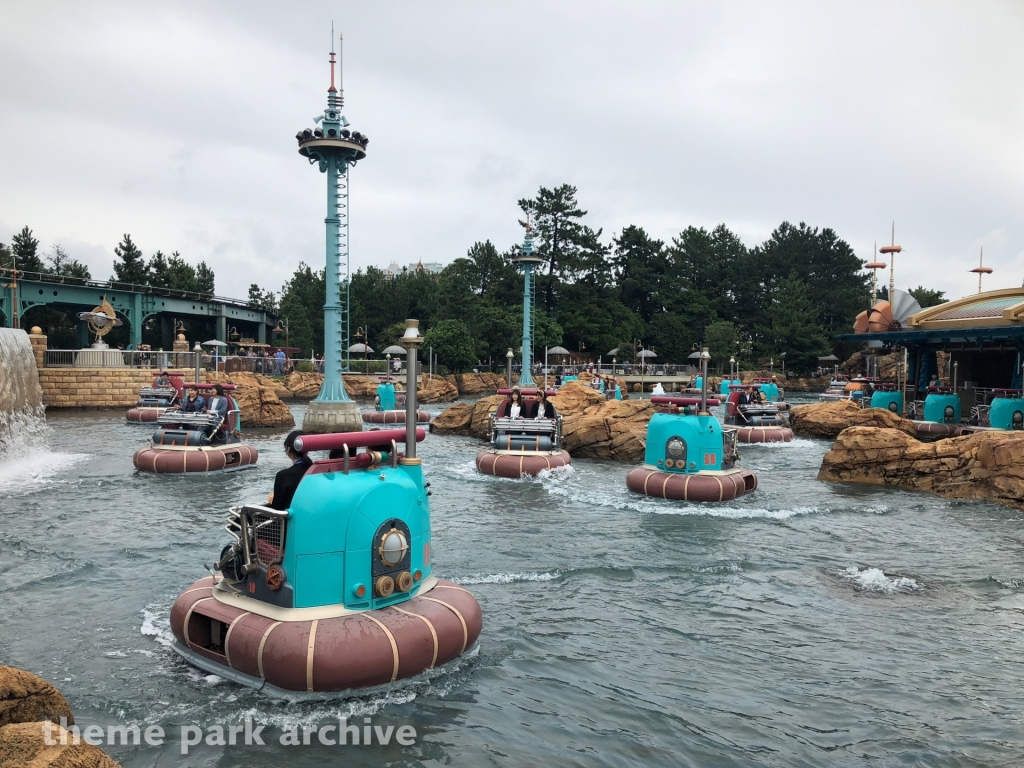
column 159, row 271
column 26, row 252
column 132, row 266
column 61, row 263
column 794, row 325
column 204, row 279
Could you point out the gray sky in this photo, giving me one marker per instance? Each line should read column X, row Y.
column 175, row 122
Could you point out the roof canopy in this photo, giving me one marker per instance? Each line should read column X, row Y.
column 1004, row 307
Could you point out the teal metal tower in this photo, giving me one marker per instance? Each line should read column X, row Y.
column 527, row 260
column 334, row 148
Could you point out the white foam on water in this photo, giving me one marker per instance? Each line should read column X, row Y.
column 34, row 471
column 709, row 509
column 507, row 578
column 157, row 624
column 875, row 580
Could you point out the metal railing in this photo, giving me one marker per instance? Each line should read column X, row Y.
column 117, row 358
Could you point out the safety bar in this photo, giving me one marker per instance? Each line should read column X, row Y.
column 338, row 440
column 664, row 400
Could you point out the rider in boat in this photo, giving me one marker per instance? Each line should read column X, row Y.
column 545, row 408
column 220, row 405
column 287, row 480
column 193, row 403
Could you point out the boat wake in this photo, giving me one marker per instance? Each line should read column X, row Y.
column 875, row 580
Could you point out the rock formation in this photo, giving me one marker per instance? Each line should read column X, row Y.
column 24, row 698
column 983, row 465
column 437, row 389
column 828, row 419
column 25, row 702
column 478, row 383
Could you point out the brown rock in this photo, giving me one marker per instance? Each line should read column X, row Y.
column 261, row 407
column 455, row 420
column 482, row 409
column 829, row 419
column 983, row 465
column 477, row 383
column 436, row 389
column 304, row 386
column 24, row 745
column 24, row 698
column 361, row 387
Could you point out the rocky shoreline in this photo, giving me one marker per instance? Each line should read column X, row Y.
column 27, row 703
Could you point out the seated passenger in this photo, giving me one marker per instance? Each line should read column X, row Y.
column 515, row 408
column 193, row 402
column 545, row 408
column 287, row 480
column 162, row 381
column 219, row 405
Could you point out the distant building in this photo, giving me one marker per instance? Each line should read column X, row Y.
column 432, row 267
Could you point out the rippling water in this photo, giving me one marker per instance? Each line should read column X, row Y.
column 804, row 625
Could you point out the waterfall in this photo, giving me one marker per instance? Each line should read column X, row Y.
column 22, row 417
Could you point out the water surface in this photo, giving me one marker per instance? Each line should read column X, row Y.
column 804, row 625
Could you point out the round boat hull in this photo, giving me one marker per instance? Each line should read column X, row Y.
column 934, row 429
column 351, row 652
column 516, row 465
column 144, row 415
column 702, row 486
column 161, row 460
column 764, row 434
column 393, row 417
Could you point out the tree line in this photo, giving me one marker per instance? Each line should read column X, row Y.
column 786, row 296
column 130, row 265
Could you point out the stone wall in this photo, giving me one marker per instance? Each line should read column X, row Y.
column 92, row 387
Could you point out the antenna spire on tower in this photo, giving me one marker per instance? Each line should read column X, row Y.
column 332, row 89
column 341, row 67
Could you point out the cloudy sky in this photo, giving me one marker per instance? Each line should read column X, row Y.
column 175, row 122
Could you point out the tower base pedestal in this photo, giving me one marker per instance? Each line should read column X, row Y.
column 325, row 416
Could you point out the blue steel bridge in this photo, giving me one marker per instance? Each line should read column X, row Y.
column 134, row 304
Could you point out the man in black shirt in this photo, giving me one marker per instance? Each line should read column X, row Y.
column 287, row 480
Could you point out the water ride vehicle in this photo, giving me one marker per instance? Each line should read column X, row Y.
column 836, row 389
column 155, row 399
column 197, row 442
column 337, row 593
column 524, row 446
column 759, row 422
column 690, row 456
column 387, row 408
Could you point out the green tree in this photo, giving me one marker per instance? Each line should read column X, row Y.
column 794, row 325
column 6, row 257
column 61, row 263
column 26, row 252
column 926, row 297
column 204, row 279
column 722, row 340
column 260, row 299
column 641, row 266
column 159, row 271
column 302, row 305
column 130, row 266
column 453, row 344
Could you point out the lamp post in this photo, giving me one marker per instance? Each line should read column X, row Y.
column 198, row 352
column 783, row 356
column 508, row 365
column 955, row 366
column 412, row 341
column 387, row 363
column 642, row 371
column 704, row 357
column 363, row 332
column 282, row 327
column 732, row 362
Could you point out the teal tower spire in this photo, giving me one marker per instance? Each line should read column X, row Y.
column 333, row 148
column 527, row 259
